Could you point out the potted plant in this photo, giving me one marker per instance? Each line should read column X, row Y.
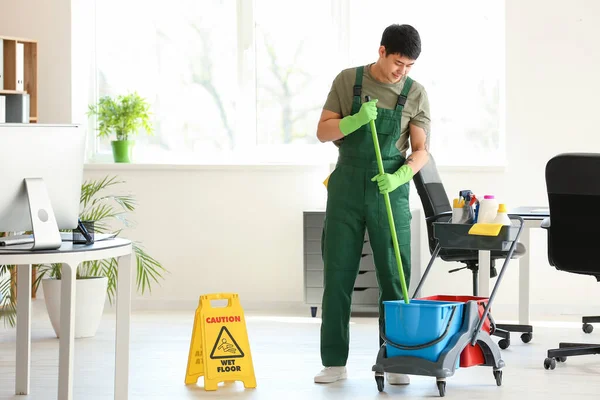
column 95, row 279
column 124, row 116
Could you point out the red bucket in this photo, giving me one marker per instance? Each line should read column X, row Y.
column 471, row 355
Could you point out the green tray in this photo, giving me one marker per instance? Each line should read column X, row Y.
column 456, row 236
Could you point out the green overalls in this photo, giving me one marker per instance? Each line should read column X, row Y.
column 353, row 203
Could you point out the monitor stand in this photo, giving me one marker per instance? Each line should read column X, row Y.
column 46, row 235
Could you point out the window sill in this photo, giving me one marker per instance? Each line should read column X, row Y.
column 104, row 162
column 196, row 167
column 472, row 169
column 264, row 166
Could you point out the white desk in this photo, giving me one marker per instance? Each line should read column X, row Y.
column 70, row 256
column 532, row 220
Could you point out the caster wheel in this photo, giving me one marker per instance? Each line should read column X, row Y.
column 313, row 311
column 588, row 328
column 380, row 384
column 549, row 363
column 561, row 359
column 442, row 388
column 503, row 343
column 526, row 337
column 498, row 376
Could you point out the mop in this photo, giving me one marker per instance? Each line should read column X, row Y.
column 388, row 208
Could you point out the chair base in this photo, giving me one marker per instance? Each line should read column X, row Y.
column 590, row 319
column 587, row 323
column 504, row 330
column 569, row 350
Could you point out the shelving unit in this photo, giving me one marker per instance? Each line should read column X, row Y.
column 19, row 70
column 18, row 76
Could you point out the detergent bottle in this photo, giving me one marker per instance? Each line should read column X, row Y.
column 457, row 211
column 502, row 216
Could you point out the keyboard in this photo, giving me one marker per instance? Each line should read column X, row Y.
column 17, row 239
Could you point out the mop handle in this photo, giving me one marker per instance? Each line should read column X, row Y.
column 388, row 208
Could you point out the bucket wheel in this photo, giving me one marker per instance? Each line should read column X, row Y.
column 441, row 384
column 380, row 382
column 498, row 376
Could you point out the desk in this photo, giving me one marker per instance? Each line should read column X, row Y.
column 532, row 217
column 70, row 256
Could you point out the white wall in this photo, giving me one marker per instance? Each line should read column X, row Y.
column 224, row 229
column 239, row 228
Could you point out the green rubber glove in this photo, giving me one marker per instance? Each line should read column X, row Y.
column 367, row 112
column 389, row 182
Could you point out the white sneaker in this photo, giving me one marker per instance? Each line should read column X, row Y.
column 330, row 375
column 397, row 379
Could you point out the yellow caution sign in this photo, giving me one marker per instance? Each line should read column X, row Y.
column 326, row 181
column 219, row 348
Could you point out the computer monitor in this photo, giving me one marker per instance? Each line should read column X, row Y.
column 41, row 172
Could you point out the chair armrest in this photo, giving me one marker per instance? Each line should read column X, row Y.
column 434, row 218
column 546, row 223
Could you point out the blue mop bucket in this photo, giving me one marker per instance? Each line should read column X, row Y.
column 421, row 328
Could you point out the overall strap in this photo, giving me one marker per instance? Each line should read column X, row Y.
column 404, row 94
column 357, row 90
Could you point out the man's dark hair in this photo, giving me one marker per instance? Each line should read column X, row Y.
column 403, row 40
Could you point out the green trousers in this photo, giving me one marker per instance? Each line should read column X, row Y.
column 353, row 205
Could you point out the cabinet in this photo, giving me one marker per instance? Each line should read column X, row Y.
column 18, row 78
column 366, row 291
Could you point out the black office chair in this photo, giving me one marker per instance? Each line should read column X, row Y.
column 573, row 193
column 437, row 208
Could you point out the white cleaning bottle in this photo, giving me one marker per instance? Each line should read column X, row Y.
column 502, row 217
column 488, row 208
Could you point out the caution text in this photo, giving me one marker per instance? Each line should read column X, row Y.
column 221, row 320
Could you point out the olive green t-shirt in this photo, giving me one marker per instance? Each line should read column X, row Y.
column 416, row 109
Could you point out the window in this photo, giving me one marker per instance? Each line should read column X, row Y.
column 461, row 67
column 293, row 74
column 245, row 80
column 181, row 56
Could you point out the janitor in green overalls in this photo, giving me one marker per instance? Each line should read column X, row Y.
column 400, row 109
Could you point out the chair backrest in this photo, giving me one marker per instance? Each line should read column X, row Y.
column 433, row 196
column 573, row 186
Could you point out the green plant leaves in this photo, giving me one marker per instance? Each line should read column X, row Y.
column 124, row 115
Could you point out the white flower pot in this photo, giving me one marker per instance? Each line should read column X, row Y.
column 90, row 296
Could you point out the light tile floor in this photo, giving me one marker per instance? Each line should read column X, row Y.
column 285, row 350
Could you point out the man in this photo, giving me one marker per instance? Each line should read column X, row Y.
column 400, row 109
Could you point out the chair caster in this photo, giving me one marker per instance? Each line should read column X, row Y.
column 503, row 344
column 588, row 328
column 549, row 363
column 526, row 337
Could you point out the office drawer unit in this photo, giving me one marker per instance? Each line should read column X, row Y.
column 366, row 290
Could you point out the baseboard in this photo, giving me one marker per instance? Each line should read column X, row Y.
column 191, row 305
column 501, row 312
